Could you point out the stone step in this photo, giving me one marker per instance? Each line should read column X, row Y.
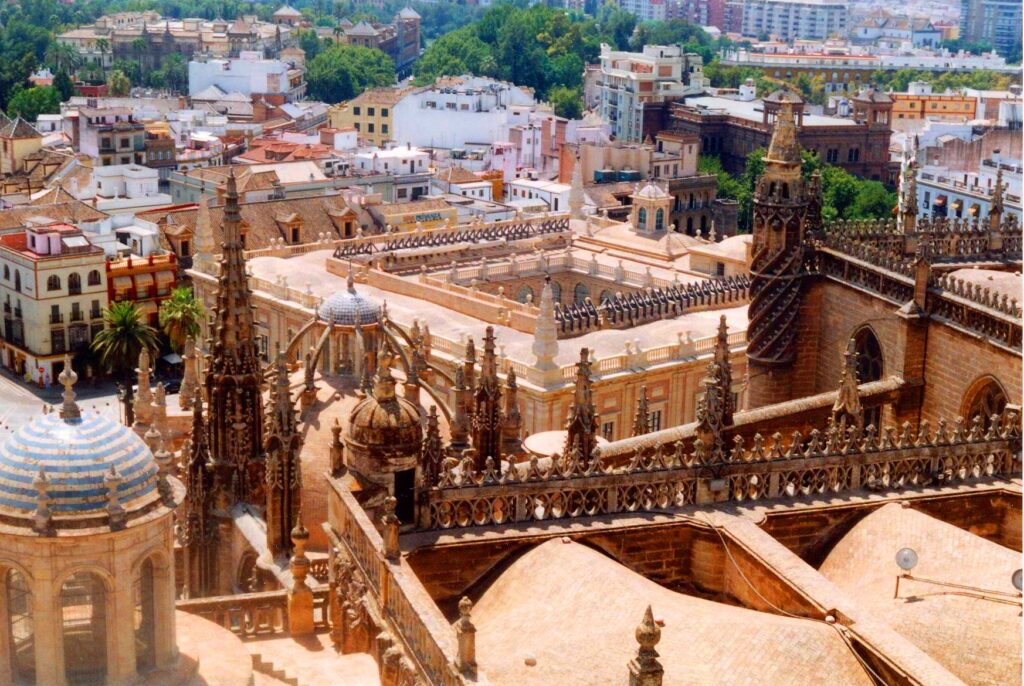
column 311, row 661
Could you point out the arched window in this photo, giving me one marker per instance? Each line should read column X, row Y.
column 525, row 294
column 83, row 599
column 606, row 295
column 145, row 617
column 556, row 291
column 870, row 367
column 641, row 218
column 19, row 628
column 984, row 398
column 7, row 273
column 17, row 281
column 53, row 283
column 703, row 225
column 580, row 293
column 94, row 278
column 659, row 220
column 74, row 282
column 689, row 226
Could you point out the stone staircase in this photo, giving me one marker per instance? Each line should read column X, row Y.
column 310, row 661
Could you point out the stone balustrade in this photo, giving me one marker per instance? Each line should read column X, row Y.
column 253, row 615
column 692, row 472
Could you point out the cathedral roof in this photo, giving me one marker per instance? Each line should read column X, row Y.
column 76, row 455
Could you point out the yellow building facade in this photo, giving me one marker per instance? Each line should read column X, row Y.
column 370, row 113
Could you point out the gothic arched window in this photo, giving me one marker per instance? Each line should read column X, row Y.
column 580, row 293
column 870, row 365
column 984, row 398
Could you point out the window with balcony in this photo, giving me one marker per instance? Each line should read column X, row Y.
column 55, row 316
column 57, row 345
column 95, row 312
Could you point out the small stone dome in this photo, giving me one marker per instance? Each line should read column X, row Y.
column 76, row 455
column 384, row 421
column 349, row 307
column 652, row 191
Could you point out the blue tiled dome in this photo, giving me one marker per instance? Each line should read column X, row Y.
column 75, row 455
column 349, row 308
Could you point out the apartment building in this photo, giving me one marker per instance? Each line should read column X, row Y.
column 109, row 135
column 647, row 10
column 920, row 103
column 399, row 40
column 53, row 286
column 630, row 82
column 946, row 192
column 789, row 20
column 996, row 22
column 274, row 81
column 371, row 114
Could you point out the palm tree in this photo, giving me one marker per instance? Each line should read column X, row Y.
column 180, row 316
column 103, row 45
column 120, row 343
column 63, row 57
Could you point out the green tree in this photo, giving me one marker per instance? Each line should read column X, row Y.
column 873, row 201
column 120, row 343
column 310, row 43
column 29, row 103
column 63, row 57
column 65, row 87
column 342, row 72
column 118, row 84
column 567, row 102
column 180, row 316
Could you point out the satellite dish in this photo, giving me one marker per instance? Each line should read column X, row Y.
column 1017, row 580
column 906, row 558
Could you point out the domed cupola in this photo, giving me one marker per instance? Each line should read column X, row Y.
column 77, row 465
column 350, row 308
column 384, row 432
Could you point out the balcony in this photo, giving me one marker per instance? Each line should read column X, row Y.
column 17, row 313
column 7, row 308
column 77, row 316
column 56, row 318
column 96, row 313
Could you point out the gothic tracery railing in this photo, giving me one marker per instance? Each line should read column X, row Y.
column 668, row 476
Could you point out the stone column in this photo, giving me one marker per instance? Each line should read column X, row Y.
column 121, row 627
column 466, row 634
column 390, row 533
column 46, row 626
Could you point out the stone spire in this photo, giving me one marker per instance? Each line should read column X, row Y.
column 203, row 248
column 642, row 418
column 995, row 211
column 69, row 409
column 645, row 669
column 908, row 199
column 582, row 424
column 576, row 195
column 189, row 381
column 469, row 365
column 460, row 418
column 724, row 370
column 42, row 517
column 847, row 408
column 487, row 421
column 545, row 335
column 433, row 450
column 281, row 443
column 143, row 404
column 512, row 422
column 784, row 150
column 197, row 531
column 710, row 415
column 234, row 373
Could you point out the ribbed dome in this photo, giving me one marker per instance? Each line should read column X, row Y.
column 349, row 308
column 76, row 456
column 652, row 191
column 392, row 424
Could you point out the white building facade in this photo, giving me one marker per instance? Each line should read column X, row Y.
column 796, row 19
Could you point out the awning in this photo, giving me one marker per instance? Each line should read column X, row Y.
column 939, row 200
column 957, row 204
column 143, row 280
column 122, row 283
column 973, row 210
column 172, row 358
column 164, row 277
column 148, row 307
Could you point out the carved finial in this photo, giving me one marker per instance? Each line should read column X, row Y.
column 115, row 511
column 466, row 634
column 847, row 408
column 642, row 418
column 67, row 378
column 645, row 669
